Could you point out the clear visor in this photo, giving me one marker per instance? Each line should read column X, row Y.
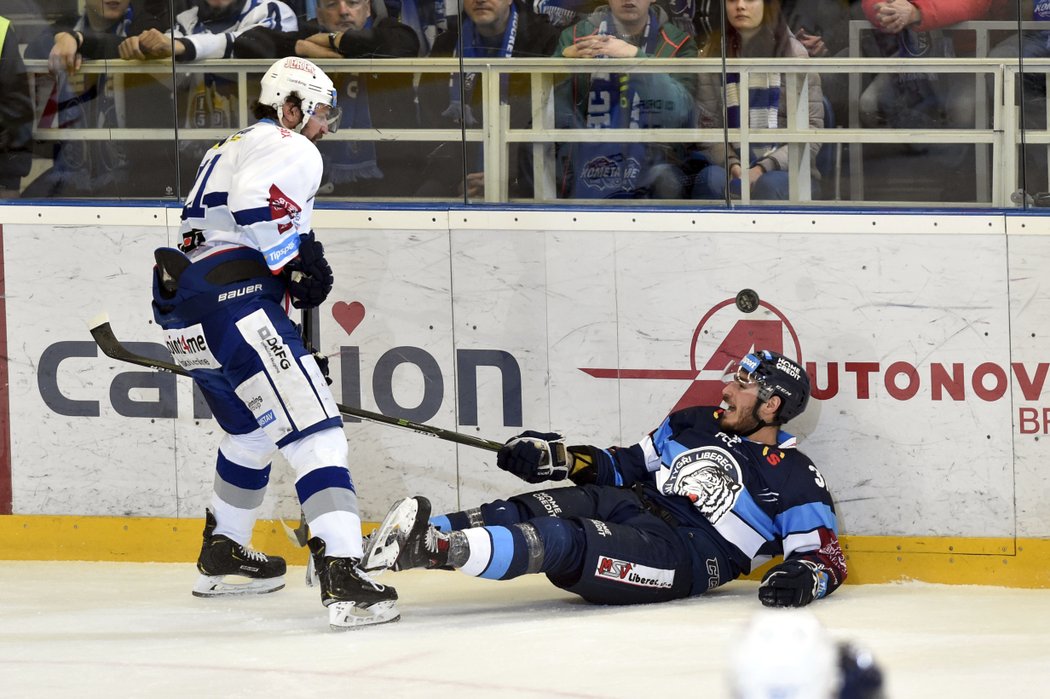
column 330, row 117
column 735, row 372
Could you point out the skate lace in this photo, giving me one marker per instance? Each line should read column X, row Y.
column 430, row 539
column 253, row 555
column 366, row 578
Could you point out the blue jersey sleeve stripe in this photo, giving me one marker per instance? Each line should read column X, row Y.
column 749, row 511
column 502, row 552
column 247, row 217
column 806, row 518
column 662, row 434
column 615, row 467
column 215, row 198
column 670, row 451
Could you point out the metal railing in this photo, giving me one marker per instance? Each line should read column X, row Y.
column 999, row 136
column 982, row 31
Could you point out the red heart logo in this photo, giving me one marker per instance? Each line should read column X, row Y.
column 348, row 315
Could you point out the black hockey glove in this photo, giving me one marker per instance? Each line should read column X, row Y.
column 535, row 457
column 793, row 584
column 310, row 276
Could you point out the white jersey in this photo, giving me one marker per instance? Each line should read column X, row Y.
column 215, row 39
column 255, row 189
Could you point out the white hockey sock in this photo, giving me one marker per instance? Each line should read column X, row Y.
column 341, row 532
column 233, row 522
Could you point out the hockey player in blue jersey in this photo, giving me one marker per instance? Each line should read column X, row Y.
column 248, row 255
column 709, row 495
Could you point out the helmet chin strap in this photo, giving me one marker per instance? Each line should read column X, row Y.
column 759, row 422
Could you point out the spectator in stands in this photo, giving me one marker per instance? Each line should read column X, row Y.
column 756, row 29
column 922, row 99
column 822, row 27
column 426, row 18
column 697, row 18
column 16, row 110
column 208, row 29
column 596, row 170
column 490, row 29
column 355, row 29
column 98, row 100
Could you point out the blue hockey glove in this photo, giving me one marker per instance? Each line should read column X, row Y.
column 535, row 457
column 310, row 276
column 793, row 584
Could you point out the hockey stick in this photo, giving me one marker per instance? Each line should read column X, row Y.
column 111, row 347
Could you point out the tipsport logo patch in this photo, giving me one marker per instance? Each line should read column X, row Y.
column 633, row 573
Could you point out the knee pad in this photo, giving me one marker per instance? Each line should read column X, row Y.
column 563, row 545
column 317, row 450
column 251, row 450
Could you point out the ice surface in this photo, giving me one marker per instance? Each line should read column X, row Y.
column 134, row 630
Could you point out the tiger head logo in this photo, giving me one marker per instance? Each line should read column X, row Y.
column 709, row 477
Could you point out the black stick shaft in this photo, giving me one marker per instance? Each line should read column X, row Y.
column 111, row 347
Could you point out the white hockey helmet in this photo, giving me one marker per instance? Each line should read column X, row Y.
column 302, row 78
column 785, row 654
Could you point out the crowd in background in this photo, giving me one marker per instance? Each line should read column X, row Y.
column 194, row 30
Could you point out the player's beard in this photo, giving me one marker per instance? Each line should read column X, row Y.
column 743, row 426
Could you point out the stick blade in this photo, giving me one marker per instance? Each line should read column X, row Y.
column 107, row 341
column 98, row 321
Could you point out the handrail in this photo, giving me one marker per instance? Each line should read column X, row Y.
column 496, row 134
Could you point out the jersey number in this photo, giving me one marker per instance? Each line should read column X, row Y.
column 195, row 209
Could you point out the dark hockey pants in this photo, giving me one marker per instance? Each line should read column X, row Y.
column 599, row 542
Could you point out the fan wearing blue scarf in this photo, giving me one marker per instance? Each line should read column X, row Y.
column 486, row 29
column 755, row 28
column 610, row 170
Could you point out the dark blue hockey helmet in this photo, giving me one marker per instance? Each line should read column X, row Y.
column 776, row 375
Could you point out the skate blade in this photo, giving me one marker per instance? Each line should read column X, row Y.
column 386, row 540
column 218, row 586
column 346, row 616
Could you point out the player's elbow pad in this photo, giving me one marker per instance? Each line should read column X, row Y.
column 588, row 464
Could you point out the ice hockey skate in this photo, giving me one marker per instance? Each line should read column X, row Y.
column 353, row 599
column 221, row 557
column 405, row 539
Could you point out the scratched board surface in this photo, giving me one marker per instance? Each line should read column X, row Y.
column 927, row 353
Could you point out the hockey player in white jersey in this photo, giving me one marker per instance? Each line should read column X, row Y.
column 248, row 254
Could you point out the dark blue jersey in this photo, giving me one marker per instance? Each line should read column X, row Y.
column 760, row 500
